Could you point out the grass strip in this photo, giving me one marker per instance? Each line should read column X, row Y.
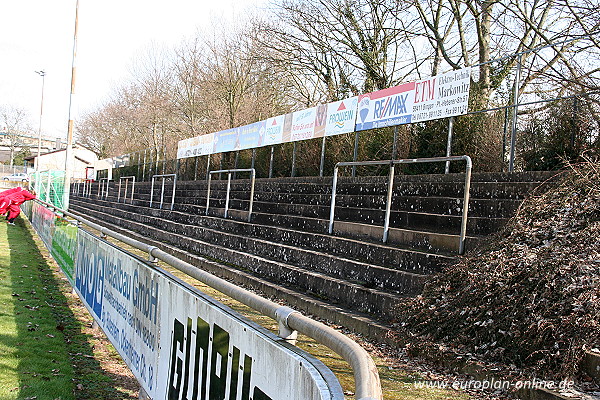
column 47, row 347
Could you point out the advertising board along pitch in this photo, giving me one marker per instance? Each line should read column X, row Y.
column 182, row 344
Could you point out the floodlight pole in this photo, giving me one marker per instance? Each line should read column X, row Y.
column 69, row 152
column 41, row 73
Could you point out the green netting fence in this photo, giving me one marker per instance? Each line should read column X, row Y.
column 49, row 186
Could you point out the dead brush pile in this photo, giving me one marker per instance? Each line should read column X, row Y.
column 531, row 296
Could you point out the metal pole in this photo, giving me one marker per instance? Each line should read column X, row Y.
column 208, row 170
column 162, row 192
column 208, row 191
column 119, row 195
column 252, row 180
column 513, row 137
column 505, row 131
column 174, row 187
column 333, row 192
column 48, row 187
column 151, row 191
column 253, row 158
column 394, row 145
column 449, row 144
column 69, row 151
column 355, row 157
column 463, row 225
column 235, row 162
column 196, row 168
column 144, row 167
column 294, row 160
column 228, row 190
column 322, row 165
column 41, row 73
column 271, row 162
column 388, row 204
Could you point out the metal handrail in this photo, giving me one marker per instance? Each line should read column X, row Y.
column 162, row 192
column 229, row 172
column 87, row 188
column 103, row 191
column 366, row 376
column 126, row 179
column 390, row 187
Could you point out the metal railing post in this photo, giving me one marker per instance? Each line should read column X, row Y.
column 162, row 192
column 227, row 195
column 449, row 144
column 322, row 164
column 333, row 193
column 229, row 172
column 513, row 136
column 151, row 191
column 252, row 181
column 391, row 163
column 173, row 194
column 466, row 195
column 208, row 192
column 388, row 203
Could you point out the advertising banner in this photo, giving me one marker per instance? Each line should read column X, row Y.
column 196, row 146
column 273, row 131
column 227, row 140
column 123, row 295
column 303, row 124
column 341, row 116
column 212, row 352
column 442, row 96
column 42, row 220
column 387, row 107
column 64, row 247
column 250, row 135
column 180, row 343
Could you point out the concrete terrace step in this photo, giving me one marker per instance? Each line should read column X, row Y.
column 359, row 322
column 336, row 290
column 492, row 208
column 334, row 252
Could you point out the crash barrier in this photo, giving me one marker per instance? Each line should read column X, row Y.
column 229, row 172
column 127, row 180
column 180, row 343
column 390, row 189
column 163, row 178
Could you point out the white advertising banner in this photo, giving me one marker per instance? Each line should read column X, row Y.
column 341, row 116
column 196, row 146
column 303, row 124
column 122, row 293
column 442, row 96
column 182, row 344
column 273, row 131
column 214, row 353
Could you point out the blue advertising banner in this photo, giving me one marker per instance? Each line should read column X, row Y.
column 250, row 135
column 123, row 295
column 227, row 140
column 387, row 107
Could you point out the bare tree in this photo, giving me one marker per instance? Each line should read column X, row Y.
column 15, row 120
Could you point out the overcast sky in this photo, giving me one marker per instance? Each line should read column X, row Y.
column 38, row 35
